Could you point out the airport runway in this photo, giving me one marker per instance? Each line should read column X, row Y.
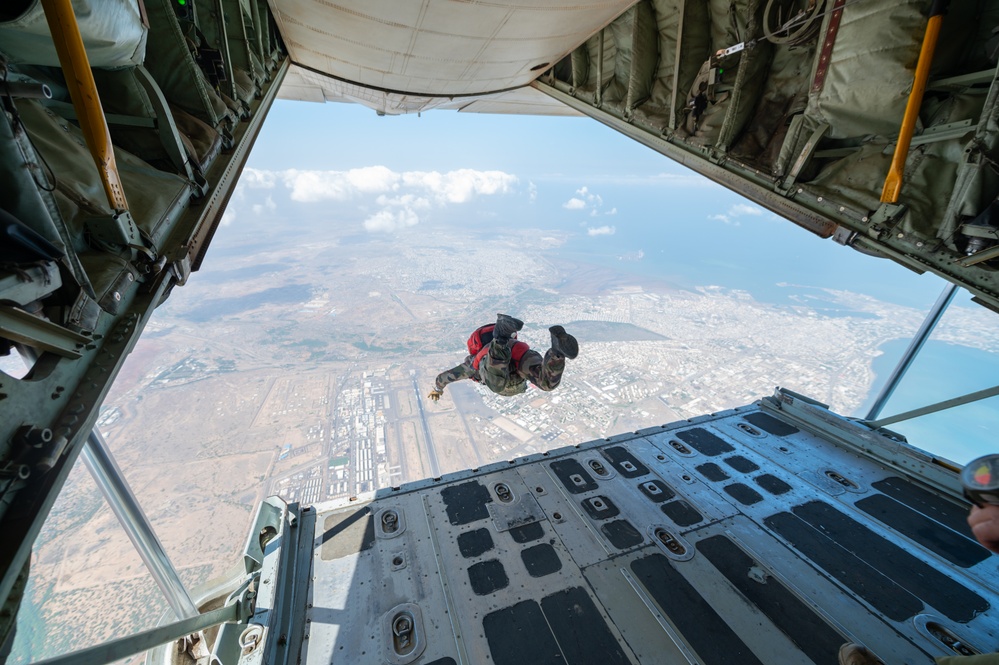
column 435, row 467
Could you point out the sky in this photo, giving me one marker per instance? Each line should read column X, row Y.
column 620, row 203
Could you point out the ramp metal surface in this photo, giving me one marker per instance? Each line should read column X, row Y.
column 757, row 535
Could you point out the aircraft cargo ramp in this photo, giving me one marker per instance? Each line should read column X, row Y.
column 771, row 533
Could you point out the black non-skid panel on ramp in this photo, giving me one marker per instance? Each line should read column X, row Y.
column 772, row 484
column 929, row 533
column 519, row 635
column 580, row 630
column 567, row 468
column 936, row 507
column 621, row 534
column 698, row 623
column 487, row 576
column 810, row 632
column 566, row 629
column 712, row 472
column 466, row 502
column 917, row 577
column 618, row 454
column 681, row 513
column 744, row 494
column 704, row 441
column 527, row 533
column 880, row 591
column 769, row 424
column 741, row 464
column 881, row 572
column 473, row 543
column 541, row 560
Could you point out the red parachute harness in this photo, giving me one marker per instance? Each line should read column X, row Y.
column 478, row 345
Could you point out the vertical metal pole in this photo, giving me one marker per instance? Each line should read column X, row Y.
column 598, row 95
column 893, row 182
column 83, row 92
column 223, row 45
column 119, row 496
column 126, row 508
column 932, row 318
column 676, row 66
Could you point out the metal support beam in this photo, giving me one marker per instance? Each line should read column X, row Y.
column 31, row 284
column 598, row 94
column 223, row 45
column 126, row 508
column 168, row 132
column 929, row 323
column 963, row 81
column 133, row 644
column 21, row 327
column 978, row 257
column 939, row 406
column 676, row 66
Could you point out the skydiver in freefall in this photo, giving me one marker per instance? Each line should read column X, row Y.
column 504, row 365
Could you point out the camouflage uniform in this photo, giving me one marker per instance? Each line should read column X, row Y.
column 497, row 372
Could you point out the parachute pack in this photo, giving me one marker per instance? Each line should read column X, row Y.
column 478, row 345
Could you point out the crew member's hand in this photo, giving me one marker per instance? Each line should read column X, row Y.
column 984, row 523
column 435, row 395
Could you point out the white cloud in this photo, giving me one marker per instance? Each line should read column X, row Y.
column 401, row 194
column 457, row 186
column 257, row 179
column 612, row 211
column 584, row 199
column 373, row 179
column 532, row 191
column 734, row 212
column 744, row 209
column 460, row 186
column 268, row 205
column 406, row 201
column 314, row 186
column 228, row 217
column 388, row 221
column 601, row 231
column 671, row 180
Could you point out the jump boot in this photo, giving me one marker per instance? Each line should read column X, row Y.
column 563, row 343
column 506, row 327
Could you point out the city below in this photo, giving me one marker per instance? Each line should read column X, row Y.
column 301, row 369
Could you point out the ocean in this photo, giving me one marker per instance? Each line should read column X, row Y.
column 710, row 237
column 943, row 371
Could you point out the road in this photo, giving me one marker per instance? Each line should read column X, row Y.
column 435, row 467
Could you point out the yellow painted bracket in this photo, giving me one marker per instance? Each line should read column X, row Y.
column 893, row 183
column 83, row 91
